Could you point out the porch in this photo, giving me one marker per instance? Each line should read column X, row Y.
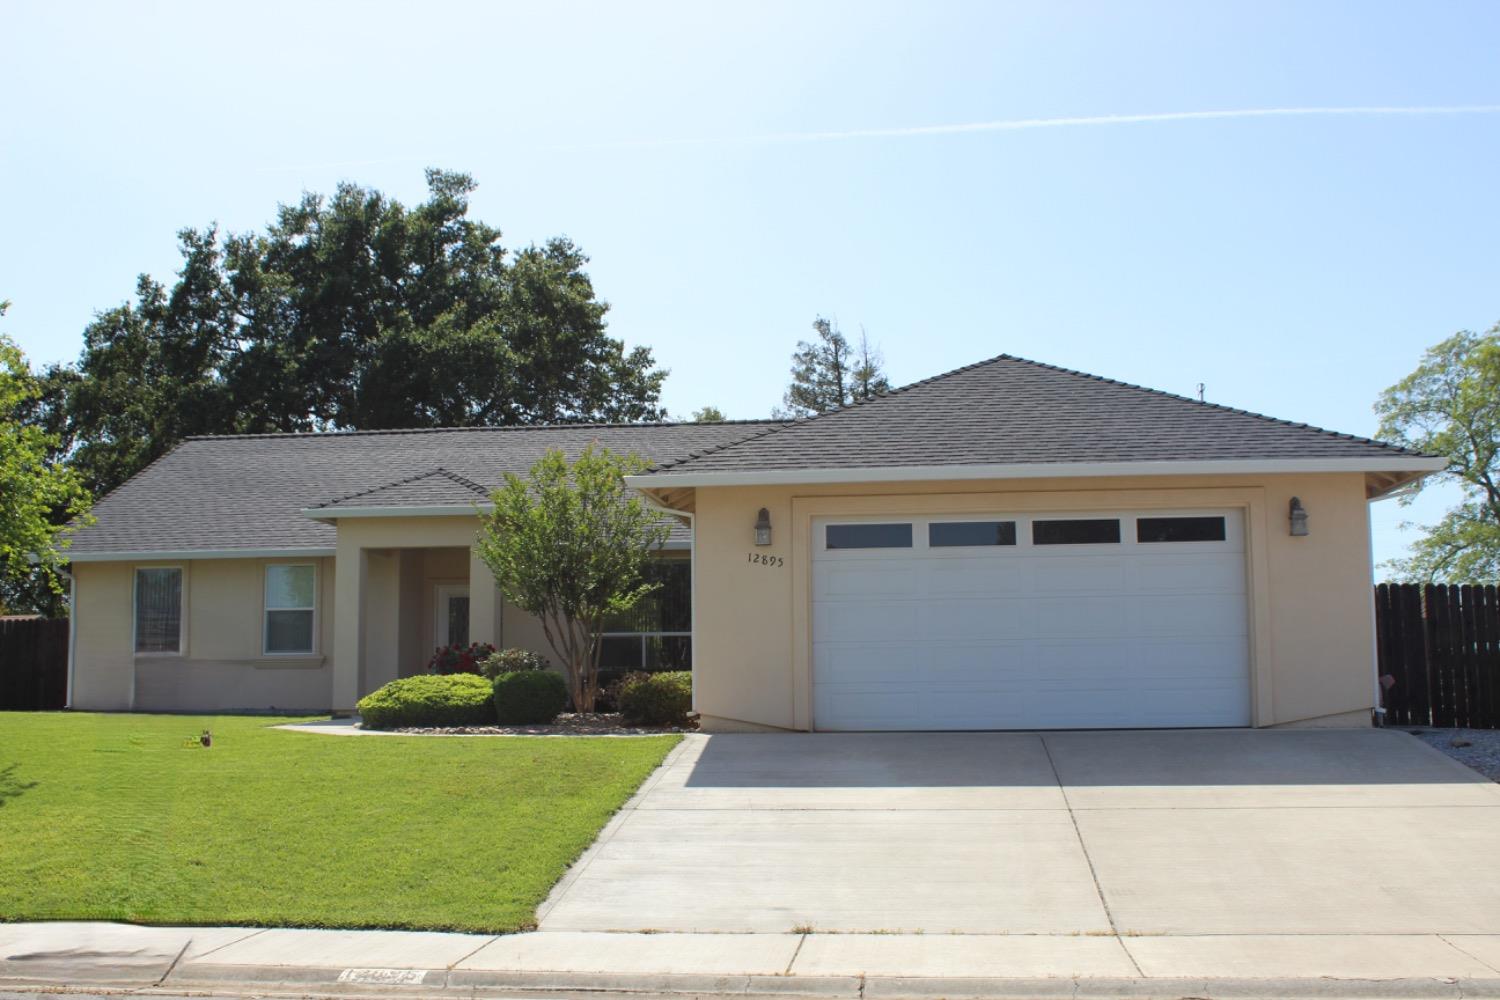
column 405, row 585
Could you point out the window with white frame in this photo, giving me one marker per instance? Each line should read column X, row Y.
column 158, row 609
column 657, row 634
column 291, row 600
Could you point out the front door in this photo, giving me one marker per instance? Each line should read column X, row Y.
column 452, row 625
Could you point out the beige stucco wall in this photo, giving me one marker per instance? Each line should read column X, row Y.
column 221, row 665
column 1311, row 608
column 394, row 564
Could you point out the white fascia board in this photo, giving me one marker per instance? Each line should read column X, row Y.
column 416, row 510
column 165, row 555
column 1038, row 470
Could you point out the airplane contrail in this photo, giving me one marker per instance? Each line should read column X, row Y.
column 1080, row 121
column 1000, row 125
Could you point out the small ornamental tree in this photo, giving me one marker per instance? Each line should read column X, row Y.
column 569, row 544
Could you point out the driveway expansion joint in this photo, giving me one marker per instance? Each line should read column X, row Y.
column 1084, row 847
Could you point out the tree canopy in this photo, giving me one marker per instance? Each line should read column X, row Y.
column 1451, row 406
column 38, row 496
column 569, row 544
column 348, row 312
column 709, row 415
column 828, row 373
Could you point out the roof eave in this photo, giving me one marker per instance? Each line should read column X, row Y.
column 1412, row 466
column 169, row 555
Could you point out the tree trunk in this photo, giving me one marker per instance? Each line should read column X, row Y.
column 578, row 646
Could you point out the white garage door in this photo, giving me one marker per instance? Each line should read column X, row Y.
column 1030, row 621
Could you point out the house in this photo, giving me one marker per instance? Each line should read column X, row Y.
column 1008, row 545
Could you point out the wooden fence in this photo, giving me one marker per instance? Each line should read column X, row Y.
column 1439, row 649
column 33, row 664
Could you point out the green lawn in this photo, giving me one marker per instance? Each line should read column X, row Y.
column 110, row 817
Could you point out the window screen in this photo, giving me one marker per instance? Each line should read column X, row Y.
column 158, row 610
column 944, row 534
column 1076, row 532
column 290, row 598
column 869, row 536
column 1179, row 529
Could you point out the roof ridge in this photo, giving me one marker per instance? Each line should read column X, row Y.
column 1213, row 406
column 468, row 484
column 581, row 425
column 463, row 481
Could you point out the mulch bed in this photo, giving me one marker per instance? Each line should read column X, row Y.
column 567, row 724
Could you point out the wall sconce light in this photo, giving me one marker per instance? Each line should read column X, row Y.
column 763, row 527
column 1298, row 518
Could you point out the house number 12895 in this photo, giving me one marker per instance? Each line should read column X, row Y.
column 763, row 559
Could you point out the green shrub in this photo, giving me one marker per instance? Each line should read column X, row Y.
column 611, row 682
column 529, row 697
column 663, row 699
column 510, row 661
column 429, row 700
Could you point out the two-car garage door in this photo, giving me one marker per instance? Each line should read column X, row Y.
column 1030, row 621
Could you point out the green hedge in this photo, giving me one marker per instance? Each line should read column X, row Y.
column 529, row 697
column 510, row 661
column 663, row 699
column 430, row 700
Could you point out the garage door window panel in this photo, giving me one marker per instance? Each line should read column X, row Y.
column 1155, row 530
column 869, row 536
column 970, row 534
column 1076, row 531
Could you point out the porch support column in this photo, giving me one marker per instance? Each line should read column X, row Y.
column 351, row 575
column 484, row 603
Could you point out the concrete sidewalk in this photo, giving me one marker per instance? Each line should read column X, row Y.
column 833, row 965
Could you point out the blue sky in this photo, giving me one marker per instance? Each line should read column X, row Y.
column 1296, row 265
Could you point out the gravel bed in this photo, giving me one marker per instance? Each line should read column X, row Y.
column 1478, row 748
column 567, row 724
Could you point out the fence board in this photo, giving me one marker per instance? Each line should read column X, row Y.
column 33, row 664
column 1489, row 651
column 1441, row 646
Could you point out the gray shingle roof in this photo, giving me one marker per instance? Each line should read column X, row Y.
column 1008, row 410
column 249, row 492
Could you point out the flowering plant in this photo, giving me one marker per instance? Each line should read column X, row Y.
column 459, row 659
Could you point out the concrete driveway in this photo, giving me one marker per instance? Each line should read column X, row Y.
column 1234, row 832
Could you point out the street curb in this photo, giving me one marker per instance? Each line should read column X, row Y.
column 110, row 973
column 437, row 980
column 469, row 981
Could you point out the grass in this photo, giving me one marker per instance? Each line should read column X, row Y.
column 111, row 817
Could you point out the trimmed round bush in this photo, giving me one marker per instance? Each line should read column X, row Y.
column 529, row 697
column 511, row 661
column 430, row 700
column 663, row 699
